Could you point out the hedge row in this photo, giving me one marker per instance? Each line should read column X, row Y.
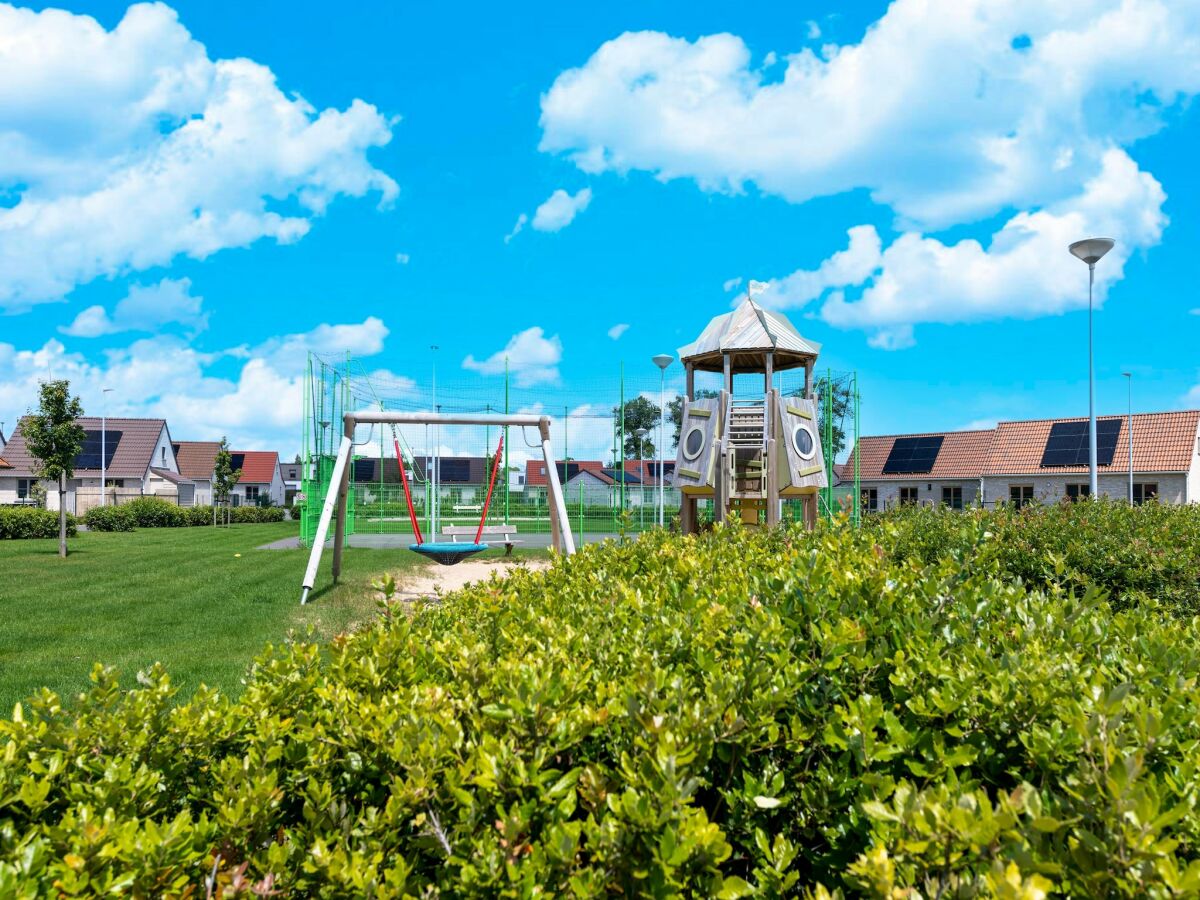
column 28, row 522
column 729, row 715
column 153, row 512
column 1133, row 553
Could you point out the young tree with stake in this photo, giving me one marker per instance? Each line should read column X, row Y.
column 225, row 476
column 54, row 438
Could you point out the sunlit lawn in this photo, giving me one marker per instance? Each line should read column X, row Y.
column 180, row 596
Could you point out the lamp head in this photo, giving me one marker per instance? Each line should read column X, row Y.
column 1127, row 374
column 1090, row 250
column 663, row 360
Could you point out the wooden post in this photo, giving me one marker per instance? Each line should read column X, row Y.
column 691, row 380
column 808, row 379
column 728, row 372
column 720, row 483
column 769, row 372
column 343, row 492
column 772, row 485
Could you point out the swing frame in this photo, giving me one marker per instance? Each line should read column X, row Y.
column 334, row 508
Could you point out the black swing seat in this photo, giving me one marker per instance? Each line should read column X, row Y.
column 447, row 553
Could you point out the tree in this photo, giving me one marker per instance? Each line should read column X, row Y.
column 225, row 476
column 839, row 391
column 640, row 416
column 54, row 438
column 675, row 412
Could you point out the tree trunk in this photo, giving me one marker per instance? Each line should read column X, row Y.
column 62, row 515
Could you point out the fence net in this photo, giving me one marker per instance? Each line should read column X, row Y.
column 611, row 439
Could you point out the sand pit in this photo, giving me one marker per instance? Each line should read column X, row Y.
column 431, row 581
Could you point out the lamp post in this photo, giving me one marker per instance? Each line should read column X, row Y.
column 1129, row 384
column 662, row 361
column 1091, row 250
column 437, row 437
column 103, row 445
column 640, row 434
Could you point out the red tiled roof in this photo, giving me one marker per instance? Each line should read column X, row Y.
column 647, row 469
column 962, row 456
column 1162, row 442
column 258, row 466
column 196, row 459
column 535, row 469
column 3, row 464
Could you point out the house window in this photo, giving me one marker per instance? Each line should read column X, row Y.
column 163, row 454
column 1020, row 494
column 252, row 492
column 952, row 496
column 908, row 496
column 24, row 486
column 1144, row 493
column 870, row 500
column 114, row 482
column 1076, row 491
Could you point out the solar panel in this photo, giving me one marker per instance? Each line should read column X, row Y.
column 913, row 455
column 364, row 470
column 1067, row 444
column 567, row 471
column 454, row 470
column 237, row 461
column 89, row 456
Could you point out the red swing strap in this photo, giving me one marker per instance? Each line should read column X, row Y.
column 491, row 485
column 412, row 513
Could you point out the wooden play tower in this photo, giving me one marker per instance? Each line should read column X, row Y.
column 747, row 452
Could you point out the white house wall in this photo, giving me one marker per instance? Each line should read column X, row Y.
column 1051, row 489
column 889, row 491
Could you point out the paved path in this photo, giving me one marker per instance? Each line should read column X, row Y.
column 394, row 541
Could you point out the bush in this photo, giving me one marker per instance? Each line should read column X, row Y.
column 108, row 518
column 154, row 512
column 771, row 713
column 19, row 522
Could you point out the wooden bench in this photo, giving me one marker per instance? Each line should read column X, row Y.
column 454, row 532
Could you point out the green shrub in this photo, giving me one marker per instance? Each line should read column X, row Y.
column 108, row 518
column 1131, row 552
column 771, row 713
column 154, row 512
column 18, row 522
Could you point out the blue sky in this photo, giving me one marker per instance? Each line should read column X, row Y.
column 176, row 225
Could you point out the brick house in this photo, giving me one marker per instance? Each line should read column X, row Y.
column 1034, row 459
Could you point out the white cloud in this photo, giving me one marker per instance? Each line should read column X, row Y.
column 402, row 258
column 258, row 406
column 560, row 209
column 130, row 147
column 1023, row 271
column 617, row 330
column 530, row 356
column 1194, row 312
column 979, row 425
column 731, row 284
column 940, row 112
column 144, row 308
column 521, row 220
column 846, row 267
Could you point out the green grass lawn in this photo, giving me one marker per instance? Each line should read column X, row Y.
column 179, row 596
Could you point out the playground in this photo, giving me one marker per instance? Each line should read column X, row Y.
column 444, row 468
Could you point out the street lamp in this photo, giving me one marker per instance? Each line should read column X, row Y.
column 1129, row 383
column 437, row 439
column 662, row 361
column 1091, row 251
column 103, row 445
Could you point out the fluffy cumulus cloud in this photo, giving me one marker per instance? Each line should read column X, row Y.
column 121, row 150
column 949, row 112
column 617, row 330
column 144, row 308
column 251, row 394
column 560, row 209
column 530, row 357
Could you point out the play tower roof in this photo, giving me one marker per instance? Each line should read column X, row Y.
column 747, row 334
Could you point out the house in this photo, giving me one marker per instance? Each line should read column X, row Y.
column 197, row 460
column 293, row 480
column 1034, row 459
column 261, row 480
column 261, row 474
column 139, row 461
column 930, row 467
column 646, row 471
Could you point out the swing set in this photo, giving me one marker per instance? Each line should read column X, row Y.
column 445, row 552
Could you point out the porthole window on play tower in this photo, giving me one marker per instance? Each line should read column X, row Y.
column 802, row 441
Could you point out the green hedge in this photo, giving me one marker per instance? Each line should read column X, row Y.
column 18, row 522
column 154, row 512
column 735, row 714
